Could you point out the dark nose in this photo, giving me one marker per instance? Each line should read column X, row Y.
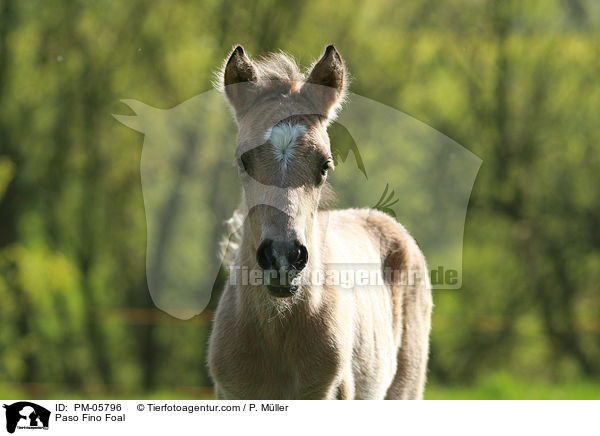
column 275, row 255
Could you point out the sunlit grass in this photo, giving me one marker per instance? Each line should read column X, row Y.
column 503, row 387
column 500, row 386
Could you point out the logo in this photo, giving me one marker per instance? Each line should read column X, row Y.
column 26, row 415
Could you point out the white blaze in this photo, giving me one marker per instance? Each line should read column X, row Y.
column 283, row 138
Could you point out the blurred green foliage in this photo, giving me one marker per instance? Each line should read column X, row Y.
column 514, row 82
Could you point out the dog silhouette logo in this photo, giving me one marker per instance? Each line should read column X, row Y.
column 26, row 415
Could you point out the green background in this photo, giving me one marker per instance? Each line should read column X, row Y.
column 514, row 82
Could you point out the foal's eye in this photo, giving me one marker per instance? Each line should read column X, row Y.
column 326, row 167
column 241, row 164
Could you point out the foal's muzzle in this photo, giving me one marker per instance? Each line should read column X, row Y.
column 282, row 261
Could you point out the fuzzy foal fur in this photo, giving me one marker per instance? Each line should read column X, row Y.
column 324, row 341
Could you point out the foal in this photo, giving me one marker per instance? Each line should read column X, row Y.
column 292, row 336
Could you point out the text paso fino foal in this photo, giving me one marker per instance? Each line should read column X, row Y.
column 290, row 336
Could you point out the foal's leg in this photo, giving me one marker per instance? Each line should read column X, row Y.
column 345, row 389
column 409, row 381
column 219, row 393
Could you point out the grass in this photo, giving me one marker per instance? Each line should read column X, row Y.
column 500, row 386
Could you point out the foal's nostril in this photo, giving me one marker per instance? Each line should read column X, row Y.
column 264, row 254
column 272, row 255
column 298, row 256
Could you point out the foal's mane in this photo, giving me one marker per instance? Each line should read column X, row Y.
column 279, row 69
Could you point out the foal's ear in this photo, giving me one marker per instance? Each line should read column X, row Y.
column 330, row 74
column 239, row 80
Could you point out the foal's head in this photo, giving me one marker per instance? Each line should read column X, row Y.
column 283, row 153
